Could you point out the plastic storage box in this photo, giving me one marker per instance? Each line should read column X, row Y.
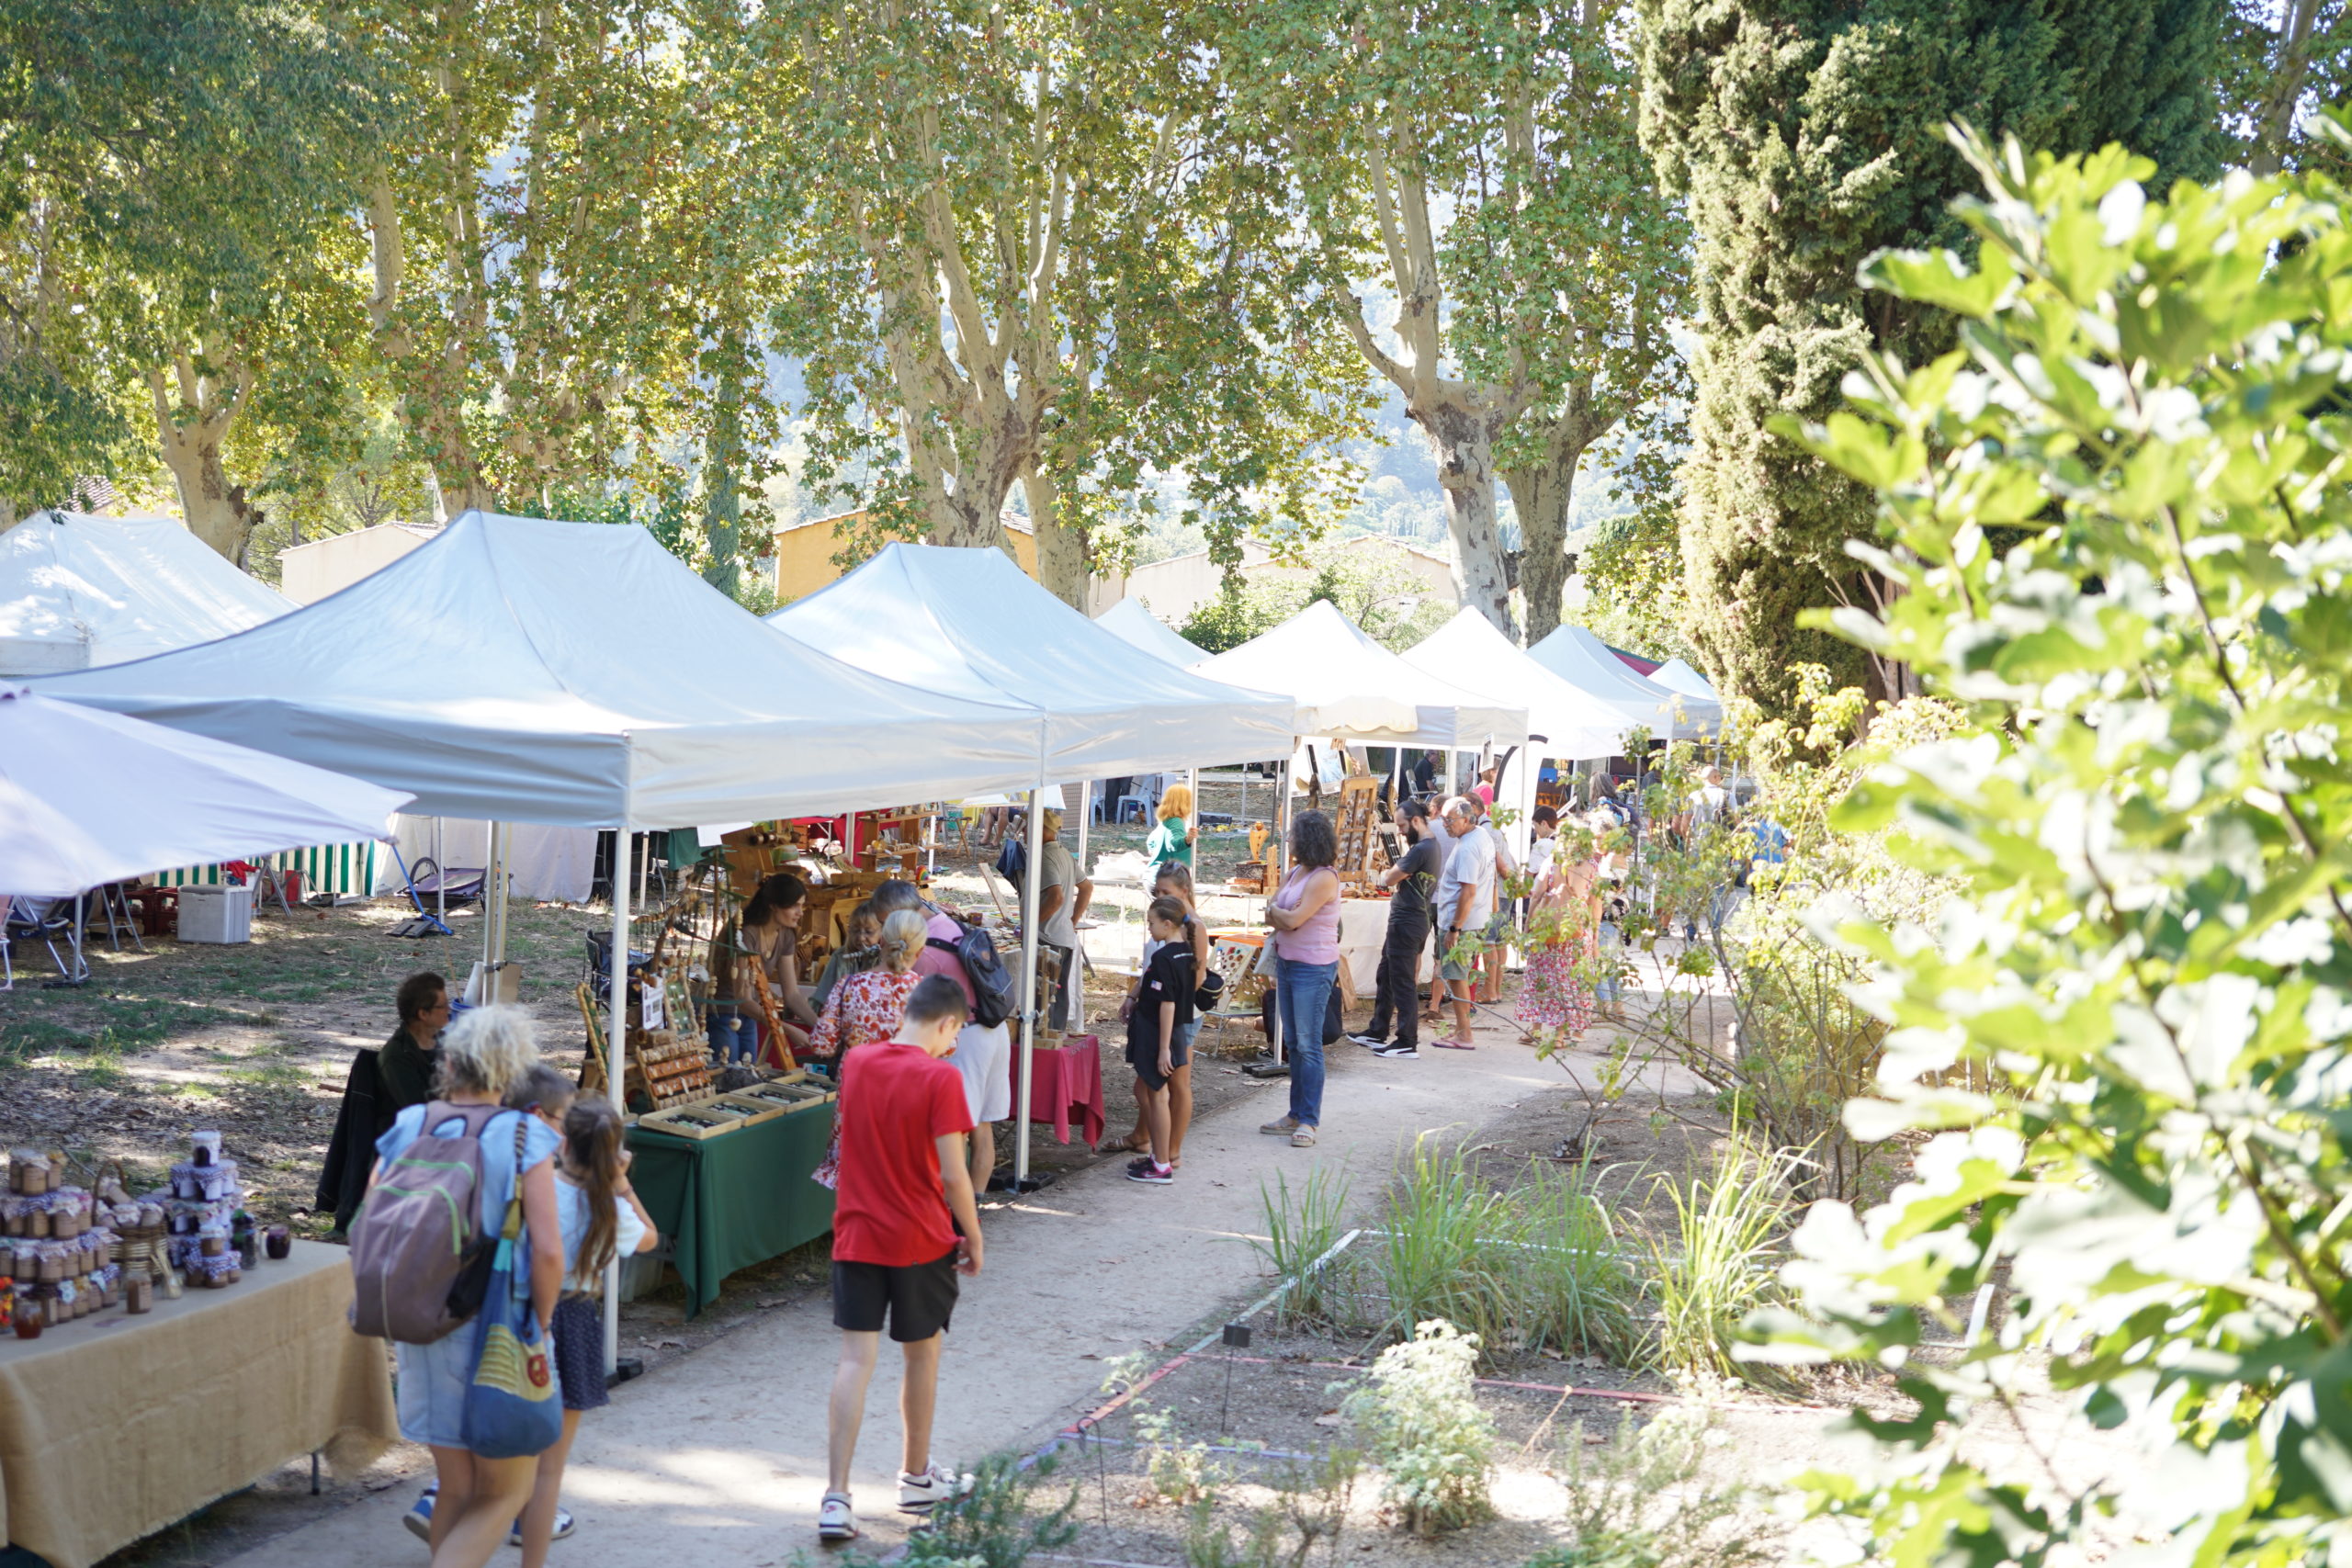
column 216, row 914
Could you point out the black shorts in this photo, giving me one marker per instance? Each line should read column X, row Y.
column 919, row 1298
column 1144, row 1057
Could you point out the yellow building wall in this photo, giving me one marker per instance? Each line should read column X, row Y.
column 804, row 555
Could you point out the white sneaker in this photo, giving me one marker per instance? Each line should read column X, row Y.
column 1397, row 1053
column 1369, row 1042
column 921, row 1493
column 835, row 1520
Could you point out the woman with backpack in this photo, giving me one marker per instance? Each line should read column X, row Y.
column 482, row 1056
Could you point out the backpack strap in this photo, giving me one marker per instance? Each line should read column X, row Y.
column 514, row 1225
column 943, row 944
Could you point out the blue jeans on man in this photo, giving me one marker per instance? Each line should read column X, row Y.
column 1303, row 993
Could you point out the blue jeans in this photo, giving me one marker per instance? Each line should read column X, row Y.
column 733, row 1038
column 1303, row 991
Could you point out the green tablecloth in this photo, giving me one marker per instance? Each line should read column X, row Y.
column 729, row 1202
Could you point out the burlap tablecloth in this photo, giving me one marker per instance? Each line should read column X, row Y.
column 115, row 1426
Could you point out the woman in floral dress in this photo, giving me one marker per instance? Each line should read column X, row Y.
column 863, row 1008
column 1562, row 915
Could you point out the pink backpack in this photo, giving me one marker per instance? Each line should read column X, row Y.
column 419, row 1230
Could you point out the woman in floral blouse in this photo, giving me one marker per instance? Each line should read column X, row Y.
column 864, row 1007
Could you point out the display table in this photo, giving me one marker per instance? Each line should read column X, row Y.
column 115, row 1426
column 1067, row 1077
column 1364, row 927
column 733, row 1200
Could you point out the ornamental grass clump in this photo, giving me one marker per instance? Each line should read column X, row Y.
column 1433, row 1445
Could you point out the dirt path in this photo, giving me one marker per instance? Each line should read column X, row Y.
column 719, row 1457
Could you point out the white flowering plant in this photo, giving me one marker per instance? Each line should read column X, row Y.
column 1433, row 1445
column 2118, row 526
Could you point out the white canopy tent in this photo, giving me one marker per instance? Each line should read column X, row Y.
column 970, row 623
column 1562, row 720
column 1677, row 675
column 89, row 797
column 78, row 590
column 572, row 673
column 1584, row 661
column 1346, row 685
column 1129, row 618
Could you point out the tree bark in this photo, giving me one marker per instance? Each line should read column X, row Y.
column 192, row 415
column 1542, row 491
column 722, row 469
column 1062, row 552
column 2289, row 67
column 1463, row 435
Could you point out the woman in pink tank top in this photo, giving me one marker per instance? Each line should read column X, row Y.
column 1305, row 915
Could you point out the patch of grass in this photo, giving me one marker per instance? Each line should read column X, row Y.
column 1719, row 1264
column 1299, row 1231
column 268, row 1074
column 1538, row 1265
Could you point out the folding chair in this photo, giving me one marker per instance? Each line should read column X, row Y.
column 26, row 922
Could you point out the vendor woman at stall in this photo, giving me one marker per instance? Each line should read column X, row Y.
column 767, row 949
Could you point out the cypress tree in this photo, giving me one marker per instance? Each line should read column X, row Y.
column 1804, row 135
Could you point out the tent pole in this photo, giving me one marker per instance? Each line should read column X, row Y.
column 1078, row 954
column 1276, row 862
column 441, row 865
column 1030, row 922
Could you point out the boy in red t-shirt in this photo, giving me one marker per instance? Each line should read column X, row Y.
column 904, row 1227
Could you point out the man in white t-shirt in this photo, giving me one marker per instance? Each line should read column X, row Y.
column 1709, row 806
column 1469, row 887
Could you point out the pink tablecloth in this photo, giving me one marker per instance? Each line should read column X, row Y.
column 1068, row 1079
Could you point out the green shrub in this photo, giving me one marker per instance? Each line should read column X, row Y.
column 2118, row 531
column 1717, row 1267
column 1642, row 1501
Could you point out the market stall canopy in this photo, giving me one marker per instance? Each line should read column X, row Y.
column 1677, row 675
column 1574, row 726
column 1347, row 686
column 1130, row 620
column 572, row 673
column 88, row 797
column 970, row 624
column 78, row 590
column 1586, row 662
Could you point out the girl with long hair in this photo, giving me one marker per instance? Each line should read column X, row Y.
column 601, row 1220
column 1173, row 880
column 1563, row 916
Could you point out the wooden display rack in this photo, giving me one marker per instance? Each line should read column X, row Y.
column 715, row 1116
column 1363, row 853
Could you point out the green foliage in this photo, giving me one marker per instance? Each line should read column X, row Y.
column 1300, row 1233
column 1310, row 1506
column 1761, row 1010
column 1478, row 159
column 1534, row 1266
column 998, row 1525
column 173, row 182
column 1803, row 137
column 1362, row 580
column 1646, row 1501
column 2280, row 60
column 2148, row 965
column 1433, row 1443
column 1717, row 1267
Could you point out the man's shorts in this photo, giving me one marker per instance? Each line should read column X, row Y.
column 918, row 1298
column 984, row 1058
column 1447, row 967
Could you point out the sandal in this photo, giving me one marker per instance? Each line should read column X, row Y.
column 1445, row 1044
column 1133, row 1144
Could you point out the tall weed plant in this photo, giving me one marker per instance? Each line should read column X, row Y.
column 1645, row 1500
column 2116, row 531
column 1302, row 1228
column 1536, row 1266
column 1721, row 1263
